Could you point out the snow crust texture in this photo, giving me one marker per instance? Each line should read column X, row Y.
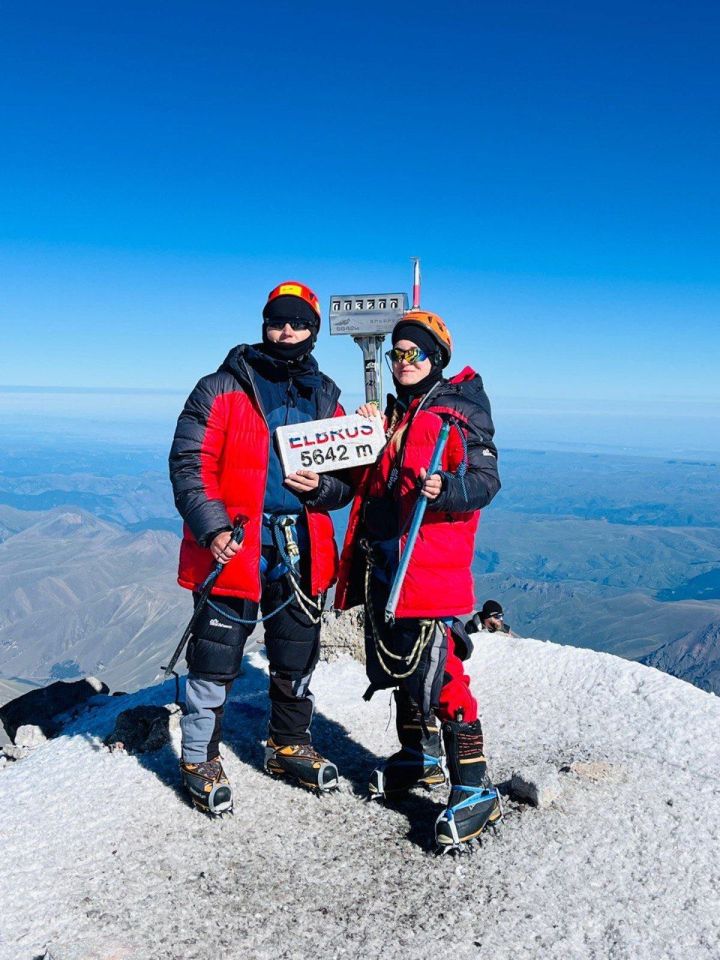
column 103, row 857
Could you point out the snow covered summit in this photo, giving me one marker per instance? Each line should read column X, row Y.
column 105, row 859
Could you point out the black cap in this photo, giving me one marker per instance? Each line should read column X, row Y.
column 490, row 607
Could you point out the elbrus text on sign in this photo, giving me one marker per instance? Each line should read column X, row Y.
column 334, row 444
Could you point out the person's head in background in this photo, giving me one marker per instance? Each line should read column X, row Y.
column 491, row 616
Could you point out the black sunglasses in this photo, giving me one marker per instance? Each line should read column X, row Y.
column 280, row 324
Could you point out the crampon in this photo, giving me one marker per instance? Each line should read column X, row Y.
column 208, row 786
column 470, row 811
column 303, row 764
column 406, row 769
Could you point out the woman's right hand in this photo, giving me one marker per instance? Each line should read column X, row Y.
column 368, row 410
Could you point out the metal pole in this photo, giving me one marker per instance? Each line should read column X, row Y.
column 416, row 282
column 371, row 348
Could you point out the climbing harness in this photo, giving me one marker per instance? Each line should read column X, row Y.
column 282, row 528
column 285, row 525
column 427, row 629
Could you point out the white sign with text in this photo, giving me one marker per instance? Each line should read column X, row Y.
column 335, row 444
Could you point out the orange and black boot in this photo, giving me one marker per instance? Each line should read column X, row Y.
column 302, row 763
column 474, row 802
column 208, row 786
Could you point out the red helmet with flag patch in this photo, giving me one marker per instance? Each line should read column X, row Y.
column 294, row 289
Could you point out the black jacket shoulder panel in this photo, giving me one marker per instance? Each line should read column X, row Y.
column 477, row 485
column 468, row 397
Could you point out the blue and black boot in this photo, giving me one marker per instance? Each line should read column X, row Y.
column 474, row 802
column 420, row 760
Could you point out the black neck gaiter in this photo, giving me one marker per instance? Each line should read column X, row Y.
column 303, row 372
column 287, row 351
column 406, row 393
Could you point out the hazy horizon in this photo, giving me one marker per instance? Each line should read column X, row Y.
column 662, row 428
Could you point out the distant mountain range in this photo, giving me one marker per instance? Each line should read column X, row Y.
column 82, row 596
column 694, row 657
column 619, row 554
column 591, row 582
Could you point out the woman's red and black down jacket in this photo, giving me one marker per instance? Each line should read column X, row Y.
column 439, row 580
column 218, row 470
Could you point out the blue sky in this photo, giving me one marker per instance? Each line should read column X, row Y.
column 554, row 165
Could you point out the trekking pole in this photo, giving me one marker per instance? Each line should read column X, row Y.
column 418, row 514
column 237, row 537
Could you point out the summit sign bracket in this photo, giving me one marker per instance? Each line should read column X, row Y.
column 367, row 318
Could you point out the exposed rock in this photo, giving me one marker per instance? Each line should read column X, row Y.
column 343, row 635
column 538, row 784
column 144, row 729
column 49, row 707
column 29, row 736
column 596, row 771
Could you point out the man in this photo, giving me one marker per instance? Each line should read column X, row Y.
column 490, row 618
column 226, row 471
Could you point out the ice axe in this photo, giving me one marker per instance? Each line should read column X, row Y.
column 203, row 594
column 416, row 520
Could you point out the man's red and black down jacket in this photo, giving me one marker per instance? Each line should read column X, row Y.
column 218, row 470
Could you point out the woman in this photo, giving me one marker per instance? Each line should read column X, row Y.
column 420, row 652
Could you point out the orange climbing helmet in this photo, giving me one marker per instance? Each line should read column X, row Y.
column 291, row 288
column 432, row 324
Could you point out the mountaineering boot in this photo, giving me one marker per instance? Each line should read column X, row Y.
column 208, row 786
column 474, row 803
column 420, row 758
column 302, row 763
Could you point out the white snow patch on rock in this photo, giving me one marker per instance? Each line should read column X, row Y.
column 29, row 736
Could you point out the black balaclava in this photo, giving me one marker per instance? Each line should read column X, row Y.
column 289, row 307
column 427, row 342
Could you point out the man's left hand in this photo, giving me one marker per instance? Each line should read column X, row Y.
column 431, row 485
column 302, row 481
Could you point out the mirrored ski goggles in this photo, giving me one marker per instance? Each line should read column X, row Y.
column 413, row 355
column 292, row 322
